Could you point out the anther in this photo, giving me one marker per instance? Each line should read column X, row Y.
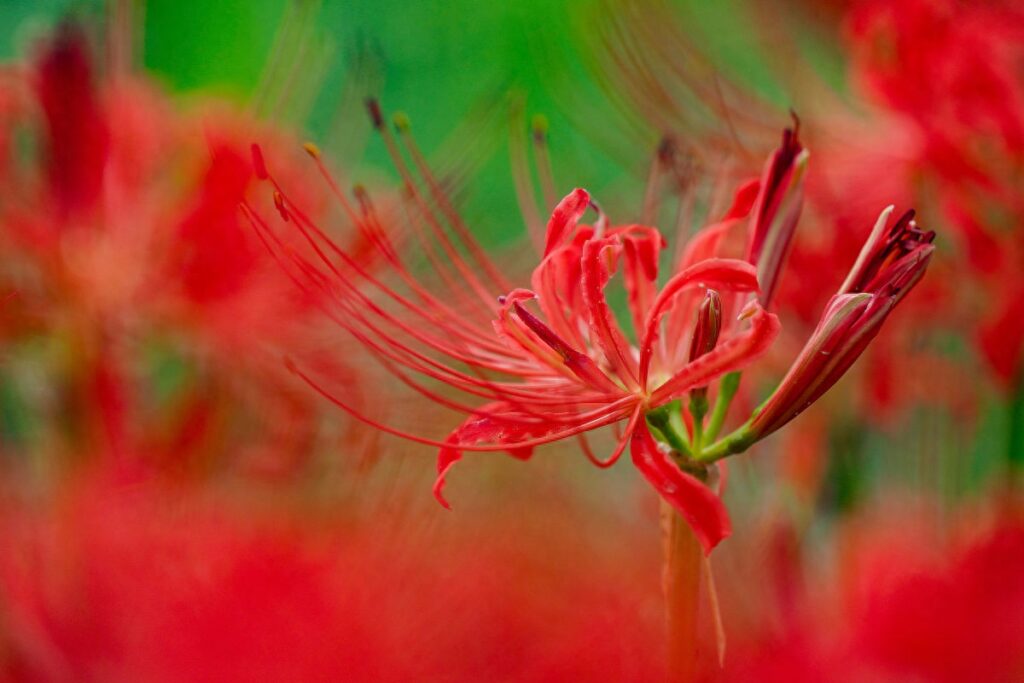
column 401, row 122
column 376, row 117
column 539, row 127
column 311, row 149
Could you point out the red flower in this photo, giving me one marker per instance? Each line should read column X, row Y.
column 558, row 364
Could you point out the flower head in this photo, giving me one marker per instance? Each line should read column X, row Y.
column 554, row 361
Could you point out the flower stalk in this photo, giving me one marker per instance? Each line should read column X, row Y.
column 681, row 583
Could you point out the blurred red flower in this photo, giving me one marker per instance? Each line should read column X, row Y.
column 902, row 603
column 122, row 234
column 113, row 580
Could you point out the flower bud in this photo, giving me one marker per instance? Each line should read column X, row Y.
column 890, row 264
column 708, row 327
column 705, row 336
column 776, row 212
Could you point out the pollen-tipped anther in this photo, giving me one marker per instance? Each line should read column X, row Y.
column 539, row 128
column 376, row 116
column 400, row 120
column 311, row 149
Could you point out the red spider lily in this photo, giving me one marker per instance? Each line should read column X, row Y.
column 558, row 364
column 563, row 371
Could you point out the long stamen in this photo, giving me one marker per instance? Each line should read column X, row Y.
column 484, row 298
column 522, row 180
column 542, row 158
column 662, row 159
column 444, row 203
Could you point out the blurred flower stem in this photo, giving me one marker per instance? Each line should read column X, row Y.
column 681, row 583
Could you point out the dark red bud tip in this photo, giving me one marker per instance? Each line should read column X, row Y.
column 376, row 116
column 666, row 150
column 708, row 327
column 258, row 164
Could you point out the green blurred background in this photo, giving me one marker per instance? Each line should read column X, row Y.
column 444, row 62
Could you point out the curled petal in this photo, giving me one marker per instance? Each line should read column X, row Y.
column 743, row 200
column 706, row 243
column 702, row 509
column 600, row 258
column 642, row 246
column 564, row 218
column 497, row 423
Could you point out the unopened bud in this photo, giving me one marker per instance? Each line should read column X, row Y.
column 776, row 212
column 708, row 327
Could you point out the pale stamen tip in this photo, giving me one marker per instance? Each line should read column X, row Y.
column 539, row 125
column 401, row 122
column 748, row 311
column 311, row 149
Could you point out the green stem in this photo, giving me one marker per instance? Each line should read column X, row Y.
column 662, row 420
column 727, row 389
column 737, row 442
column 698, row 409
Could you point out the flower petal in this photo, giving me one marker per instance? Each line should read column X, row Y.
column 564, row 217
column 496, row 423
column 641, row 248
column 600, row 259
column 702, row 509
